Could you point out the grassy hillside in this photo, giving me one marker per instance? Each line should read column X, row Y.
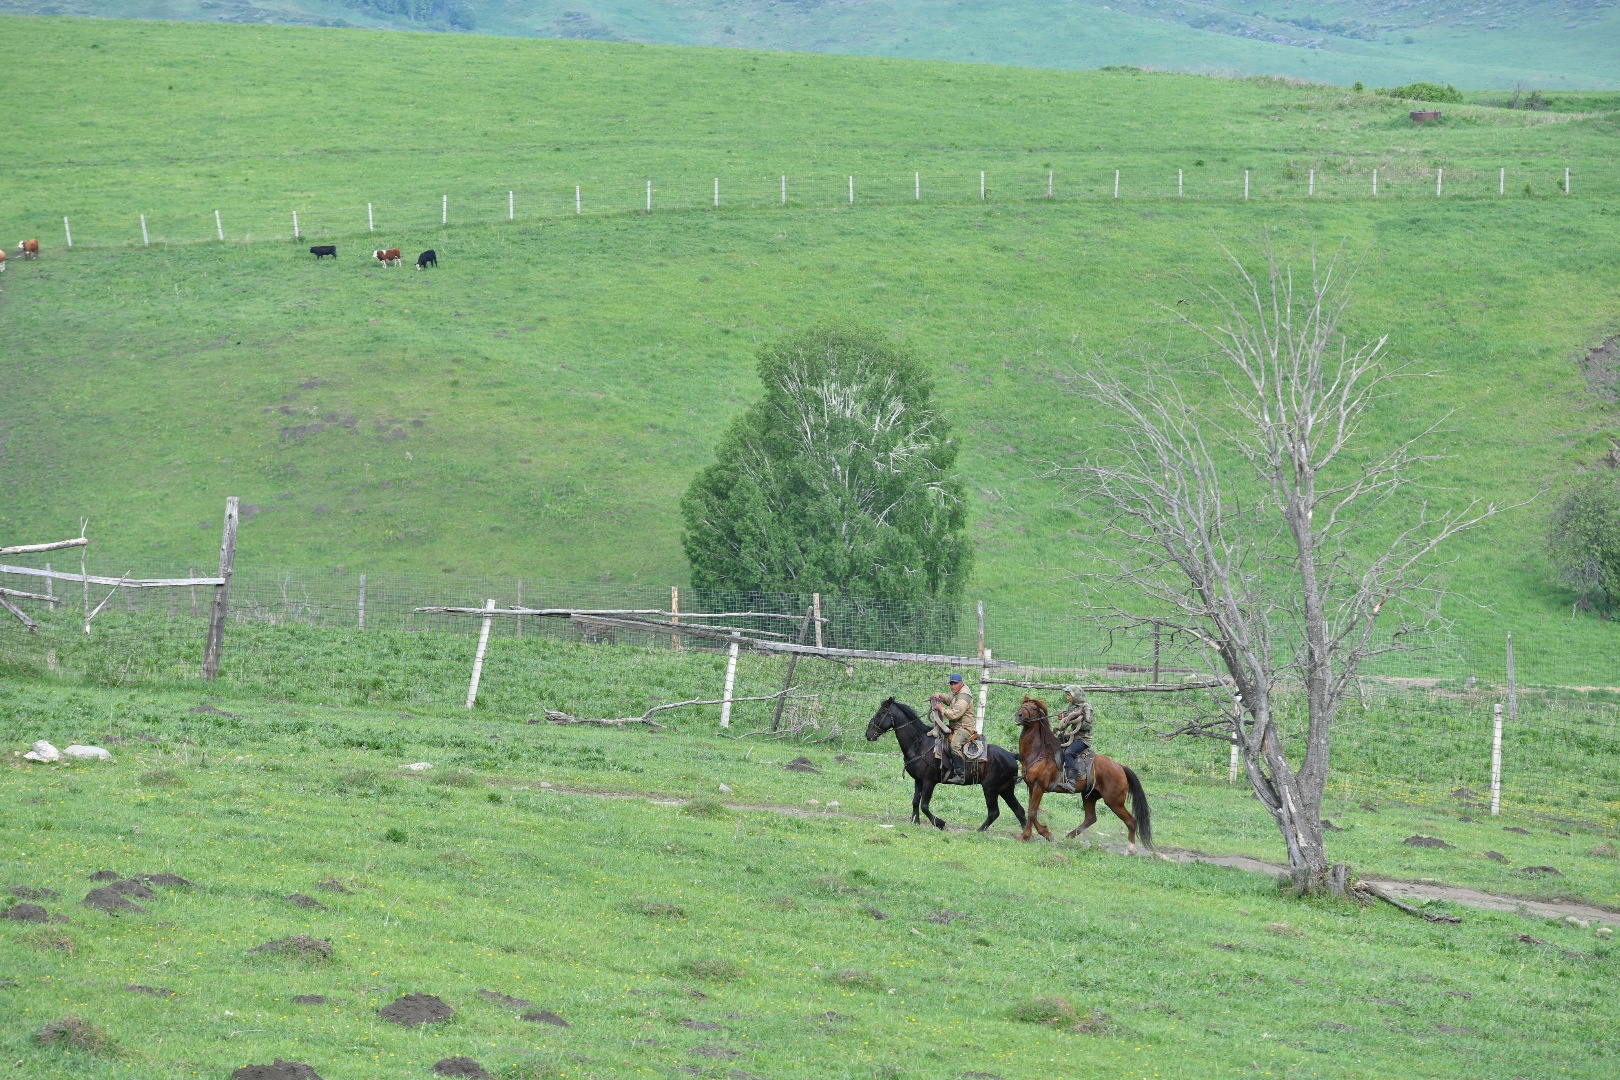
column 805, row 930
column 538, row 404
column 1551, row 44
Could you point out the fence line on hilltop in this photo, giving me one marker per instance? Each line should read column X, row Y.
column 531, row 203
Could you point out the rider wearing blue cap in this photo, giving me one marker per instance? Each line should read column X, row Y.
column 956, row 712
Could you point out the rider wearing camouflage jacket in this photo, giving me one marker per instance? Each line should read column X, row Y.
column 957, row 713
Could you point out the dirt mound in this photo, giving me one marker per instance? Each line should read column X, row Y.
column 306, row 902
column 714, row 1052
column 164, row 881
column 503, row 999
column 801, row 764
column 544, row 1016
column 309, row 999
column 1601, row 367
column 1425, row 841
column 460, row 1066
column 301, row 946
column 27, row 913
column 131, row 887
column 23, row 892
column 1496, row 856
column 281, row 1070
column 1516, row 829
column 105, row 875
column 155, row 991
column 414, row 1009
column 76, row 1033
column 332, row 884
column 108, row 899
column 1535, row 870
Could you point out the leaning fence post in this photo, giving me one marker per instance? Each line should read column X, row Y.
column 793, row 662
column 145, row 241
column 68, row 229
column 362, row 614
column 222, row 593
column 1496, row 763
column 731, row 681
column 478, row 657
column 219, row 226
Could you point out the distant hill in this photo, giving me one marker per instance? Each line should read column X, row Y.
column 1546, row 44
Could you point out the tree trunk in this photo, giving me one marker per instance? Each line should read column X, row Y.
column 1296, row 806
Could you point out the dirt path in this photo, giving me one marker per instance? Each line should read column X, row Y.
column 1403, row 890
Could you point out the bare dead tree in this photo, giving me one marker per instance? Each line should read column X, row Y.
column 1295, row 571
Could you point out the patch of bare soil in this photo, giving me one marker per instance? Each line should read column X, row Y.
column 308, row 902
column 281, row 1070
column 460, row 1066
column 722, row 1052
column 105, row 875
column 131, row 887
column 74, row 1033
column 110, row 900
column 23, row 892
column 801, row 764
column 154, row 991
column 1601, row 367
column 332, row 884
column 413, row 1010
column 1425, row 841
column 544, row 1016
column 299, row 946
column 309, row 999
column 27, row 913
column 505, row 999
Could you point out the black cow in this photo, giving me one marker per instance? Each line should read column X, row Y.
column 427, row 258
column 324, row 249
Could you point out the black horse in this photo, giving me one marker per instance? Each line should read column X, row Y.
column 917, row 744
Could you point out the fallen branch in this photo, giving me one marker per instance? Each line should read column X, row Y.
column 17, row 611
column 30, row 549
column 125, row 582
column 1102, row 688
column 556, row 717
column 88, row 618
column 19, row 594
column 1402, row 905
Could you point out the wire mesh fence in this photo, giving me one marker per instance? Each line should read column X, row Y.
column 392, row 215
column 1419, row 729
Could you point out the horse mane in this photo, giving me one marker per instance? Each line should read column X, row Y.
column 911, row 714
column 1045, row 740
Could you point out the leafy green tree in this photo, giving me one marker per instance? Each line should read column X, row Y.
column 838, row 480
column 1583, row 537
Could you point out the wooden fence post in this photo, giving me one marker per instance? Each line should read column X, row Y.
column 793, row 662
column 222, row 593
column 194, row 611
column 1496, row 763
column 815, row 606
column 981, row 627
column 50, row 592
column 362, row 616
column 984, row 691
column 478, row 657
column 675, row 614
column 731, row 682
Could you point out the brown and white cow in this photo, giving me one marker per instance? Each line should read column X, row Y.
column 29, row 248
column 385, row 257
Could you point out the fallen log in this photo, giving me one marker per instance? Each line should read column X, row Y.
column 30, row 549
column 93, row 579
column 1427, row 916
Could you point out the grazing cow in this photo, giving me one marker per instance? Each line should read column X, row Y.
column 320, row 250
column 427, row 258
column 29, row 248
column 385, row 257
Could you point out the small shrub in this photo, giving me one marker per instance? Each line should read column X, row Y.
column 396, row 835
column 456, row 778
column 712, row 969
column 75, row 1034
column 1044, row 1010
column 160, row 778
column 1426, row 91
column 495, row 797
column 706, row 808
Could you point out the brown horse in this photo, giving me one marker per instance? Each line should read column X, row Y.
column 1040, row 753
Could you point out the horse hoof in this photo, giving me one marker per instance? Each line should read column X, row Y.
column 1130, row 849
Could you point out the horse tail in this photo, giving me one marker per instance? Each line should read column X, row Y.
column 1139, row 808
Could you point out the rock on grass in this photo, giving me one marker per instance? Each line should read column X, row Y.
column 414, row 1009
column 460, row 1066
column 75, row 1034
column 299, row 946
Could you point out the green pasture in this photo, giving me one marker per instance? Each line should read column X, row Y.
column 724, row 941
column 537, row 405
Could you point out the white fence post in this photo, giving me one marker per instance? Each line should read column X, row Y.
column 717, row 192
column 815, row 606
column 69, row 230
column 731, row 681
column 1311, row 189
column 1049, row 173
column 1375, row 183
column 1439, row 181
column 295, row 226
column 1566, row 180
column 371, row 222
column 1501, row 182
column 1232, row 766
column 852, row 191
column 784, row 189
column 219, row 226
column 981, row 183
column 444, row 213
column 1116, row 183
column 578, row 208
column 511, row 207
column 1245, row 185
column 916, row 179
column 1496, row 763
column 362, row 618
column 1179, row 177
column 649, row 196
column 144, row 241
column 478, row 657
column 984, row 691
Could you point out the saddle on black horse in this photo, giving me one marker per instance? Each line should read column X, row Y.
column 960, row 769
